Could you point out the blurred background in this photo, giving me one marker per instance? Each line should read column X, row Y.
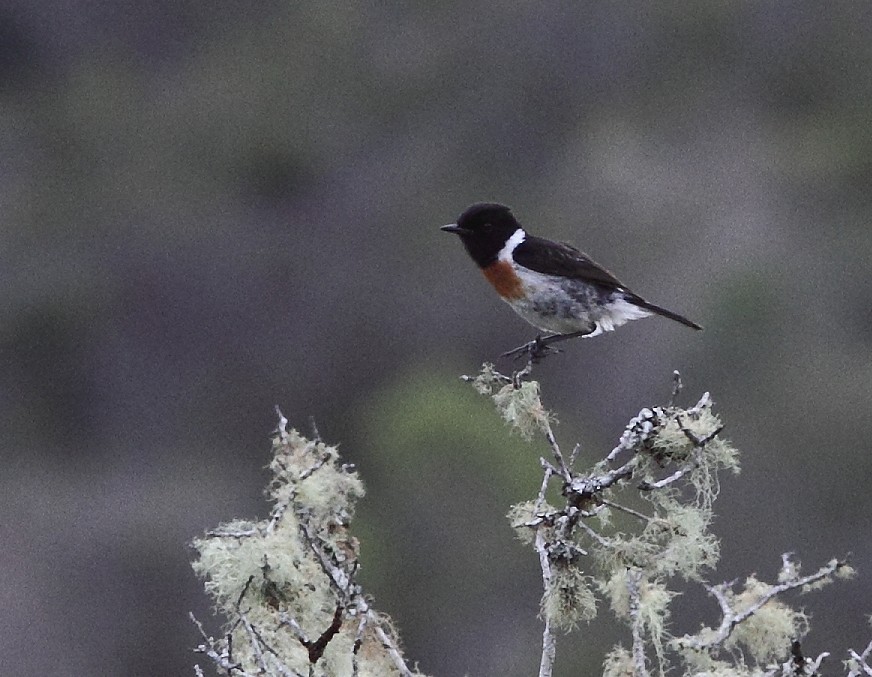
column 209, row 209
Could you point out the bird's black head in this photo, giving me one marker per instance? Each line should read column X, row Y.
column 484, row 228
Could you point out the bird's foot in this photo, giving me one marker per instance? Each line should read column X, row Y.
column 535, row 350
column 540, row 347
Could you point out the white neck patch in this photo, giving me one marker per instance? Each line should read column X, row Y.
column 511, row 244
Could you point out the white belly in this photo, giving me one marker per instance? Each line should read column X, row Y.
column 564, row 306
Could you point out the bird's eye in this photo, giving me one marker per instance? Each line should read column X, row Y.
column 488, row 227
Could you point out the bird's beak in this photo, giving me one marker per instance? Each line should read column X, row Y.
column 453, row 228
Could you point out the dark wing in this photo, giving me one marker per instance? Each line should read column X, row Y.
column 556, row 258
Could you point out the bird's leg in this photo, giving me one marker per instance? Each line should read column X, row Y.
column 555, row 338
column 540, row 346
column 535, row 349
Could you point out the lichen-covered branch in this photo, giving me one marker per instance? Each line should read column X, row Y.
column 287, row 585
column 858, row 664
column 629, row 525
column 620, row 533
column 737, row 608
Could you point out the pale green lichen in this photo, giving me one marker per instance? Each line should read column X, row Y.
column 767, row 633
column 652, row 605
column 654, row 600
column 488, row 380
column 618, row 663
column 617, row 592
column 519, row 404
column 522, row 515
column 522, row 409
column 568, row 598
column 685, row 547
column 638, row 540
column 701, row 664
column 268, row 572
column 845, row 572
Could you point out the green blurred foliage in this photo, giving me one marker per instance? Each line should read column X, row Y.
column 441, row 471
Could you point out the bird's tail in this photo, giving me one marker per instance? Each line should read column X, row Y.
column 642, row 303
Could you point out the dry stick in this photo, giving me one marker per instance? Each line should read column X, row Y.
column 624, row 508
column 634, row 578
column 582, row 487
column 549, row 641
column 555, row 449
column 253, row 641
column 221, row 661
column 862, row 663
column 358, row 642
column 799, row 663
column 285, row 619
column 677, row 385
column 222, row 533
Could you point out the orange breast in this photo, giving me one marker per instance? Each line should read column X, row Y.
column 504, row 280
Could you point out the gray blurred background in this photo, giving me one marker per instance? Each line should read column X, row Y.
column 212, row 208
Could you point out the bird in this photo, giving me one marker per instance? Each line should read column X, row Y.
column 555, row 287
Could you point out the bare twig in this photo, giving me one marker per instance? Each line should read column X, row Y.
column 555, row 450
column 337, row 576
column 623, row 508
column 224, row 533
column 677, row 385
column 358, row 642
column 254, row 642
column 573, row 457
column 800, row 666
column 634, row 580
column 862, row 666
column 549, row 641
column 291, row 623
column 586, row 486
column 669, row 479
column 222, row 660
column 282, row 427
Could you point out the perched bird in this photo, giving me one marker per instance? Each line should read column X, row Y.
column 554, row 286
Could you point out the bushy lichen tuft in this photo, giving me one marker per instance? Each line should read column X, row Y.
column 519, row 404
column 521, row 515
column 681, row 542
column 568, row 599
column 283, row 582
column 770, row 629
column 522, row 409
column 307, row 475
column 618, row 663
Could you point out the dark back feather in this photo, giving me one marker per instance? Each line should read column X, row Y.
column 557, row 258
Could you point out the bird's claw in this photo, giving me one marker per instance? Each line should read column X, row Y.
column 536, row 350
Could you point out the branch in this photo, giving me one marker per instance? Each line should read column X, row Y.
column 861, row 662
column 549, row 641
column 732, row 616
column 310, row 518
column 634, row 579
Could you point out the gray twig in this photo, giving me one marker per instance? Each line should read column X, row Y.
column 634, row 580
